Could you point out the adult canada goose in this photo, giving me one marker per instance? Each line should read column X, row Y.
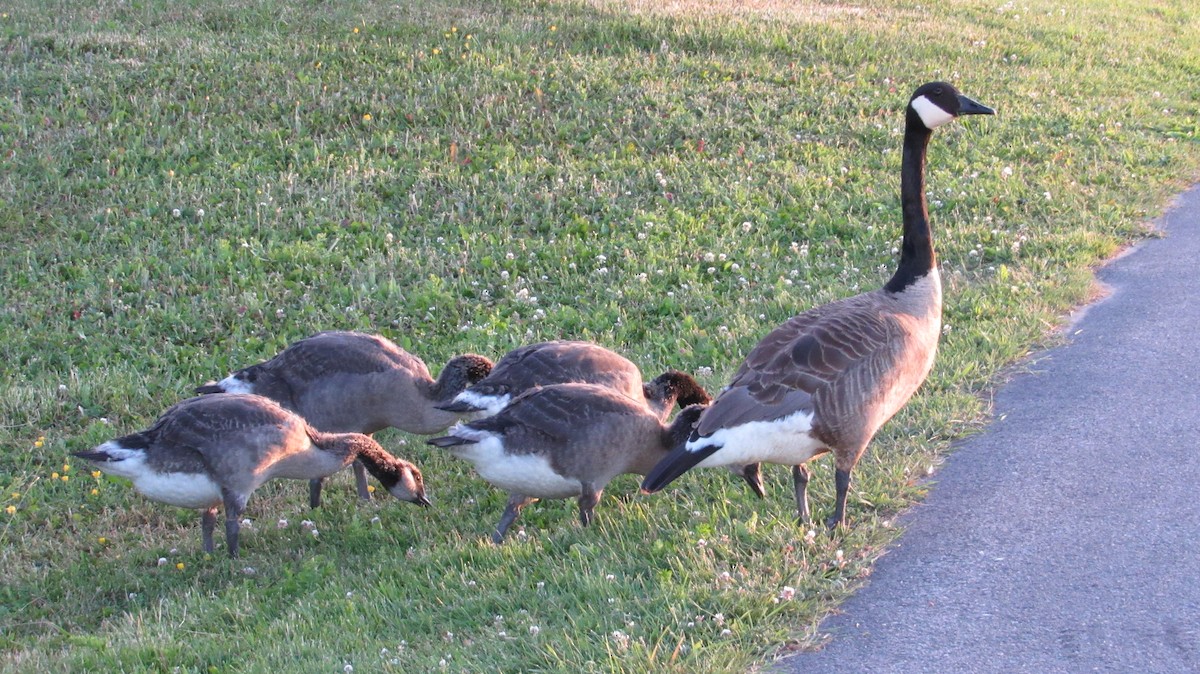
column 569, row 440
column 568, row 361
column 351, row 382
column 826, row 380
column 218, row 449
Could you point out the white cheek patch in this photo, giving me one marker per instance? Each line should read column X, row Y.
column 232, row 384
column 932, row 115
column 489, row 404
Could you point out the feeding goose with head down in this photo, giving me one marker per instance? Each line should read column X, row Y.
column 216, row 450
column 570, row 440
column 826, row 380
column 351, row 382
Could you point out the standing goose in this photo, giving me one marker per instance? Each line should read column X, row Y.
column 218, row 449
column 563, row 362
column 570, row 440
column 350, row 382
column 826, row 380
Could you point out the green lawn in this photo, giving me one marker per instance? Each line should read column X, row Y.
column 187, row 186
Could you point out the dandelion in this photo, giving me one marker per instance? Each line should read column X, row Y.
column 367, row 117
column 553, row 28
column 179, row 566
column 41, row 441
column 371, row 488
column 11, row 510
column 64, row 478
column 54, row 475
column 95, row 492
column 96, row 474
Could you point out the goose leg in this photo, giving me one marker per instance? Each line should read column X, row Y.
column 842, row 480
column 515, row 503
column 800, row 476
column 314, row 492
column 752, row 474
column 234, row 505
column 208, row 522
column 588, row 499
column 360, row 480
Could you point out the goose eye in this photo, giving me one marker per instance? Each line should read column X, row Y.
column 938, row 91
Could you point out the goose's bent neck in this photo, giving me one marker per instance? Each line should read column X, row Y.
column 916, row 249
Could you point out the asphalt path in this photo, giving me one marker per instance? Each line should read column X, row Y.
column 1066, row 537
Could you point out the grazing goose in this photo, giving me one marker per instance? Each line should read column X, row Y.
column 826, row 380
column 350, row 382
column 545, row 363
column 563, row 362
column 218, row 449
column 567, row 440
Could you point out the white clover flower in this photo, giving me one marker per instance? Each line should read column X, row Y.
column 534, row 630
column 307, row 524
column 747, row 226
column 315, row 533
column 282, row 523
column 1006, row 171
column 389, row 237
column 175, row 213
column 726, row 632
column 787, row 593
column 709, row 257
column 711, row 270
column 162, row 561
column 199, row 212
column 601, row 258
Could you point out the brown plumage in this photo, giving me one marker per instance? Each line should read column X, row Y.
column 570, row 440
column 351, row 382
column 217, row 449
column 826, row 380
column 554, row 362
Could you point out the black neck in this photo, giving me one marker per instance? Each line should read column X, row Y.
column 916, row 250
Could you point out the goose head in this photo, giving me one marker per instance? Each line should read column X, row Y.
column 406, row 484
column 936, row 103
column 461, row 372
column 673, row 387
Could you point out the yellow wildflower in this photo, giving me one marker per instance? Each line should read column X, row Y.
column 95, row 492
column 39, row 442
column 367, row 117
column 64, row 478
column 66, row 467
column 179, row 566
column 96, row 474
column 356, row 29
column 436, row 51
column 371, row 488
column 16, row 494
column 12, row 509
column 102, row 540
column 553, row 28
column 453, row 29
column 54, row 475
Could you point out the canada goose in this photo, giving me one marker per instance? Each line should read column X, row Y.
column 826, row 380
column 218, row 449
column 567, row 440
column 567, row 361
column 351, row 382
column 545, row 363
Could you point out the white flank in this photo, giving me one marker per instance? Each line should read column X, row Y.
column 785, row 441
column 526, row 474
column 186, row 490
column 232, row 384
column 489, row 405
column 932, row 115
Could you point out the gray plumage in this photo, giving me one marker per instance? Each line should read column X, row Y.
column 827, row 379
column 216, row 450
column 351, row 382
column 568, row 440
column 553, row 362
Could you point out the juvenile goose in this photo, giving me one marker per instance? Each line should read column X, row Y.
column 569, row 440
column 826, row 380
column 566, row 361
column 218, row 449
column 545, row 363
column 350, row 382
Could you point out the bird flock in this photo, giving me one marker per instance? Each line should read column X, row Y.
column 561, row 419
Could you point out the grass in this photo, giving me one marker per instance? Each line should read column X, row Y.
column 189, row 186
